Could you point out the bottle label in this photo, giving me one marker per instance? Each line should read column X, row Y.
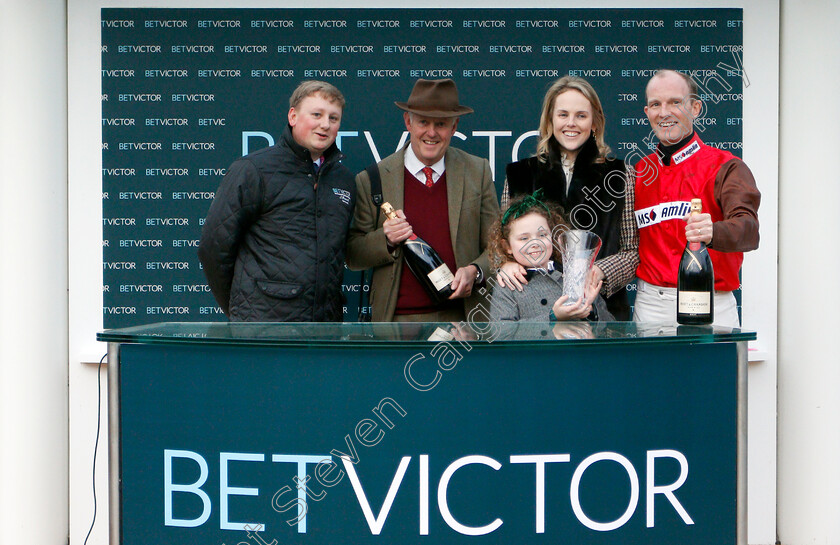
column 441, row 277
column 695, row 302
column 441, row 335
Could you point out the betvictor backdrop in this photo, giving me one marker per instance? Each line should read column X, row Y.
column 187, row 91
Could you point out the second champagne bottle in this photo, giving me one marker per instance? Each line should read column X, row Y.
column 425, row 263
column 696, row 281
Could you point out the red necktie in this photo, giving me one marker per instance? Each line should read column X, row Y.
column 428, row 172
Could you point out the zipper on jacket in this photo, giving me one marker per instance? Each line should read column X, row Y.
column 317, row 177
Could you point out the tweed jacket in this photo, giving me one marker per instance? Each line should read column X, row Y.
column 473, row 207
column 534, row 303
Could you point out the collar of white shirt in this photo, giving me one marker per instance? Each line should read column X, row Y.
column 415, row 166
column 548, row 269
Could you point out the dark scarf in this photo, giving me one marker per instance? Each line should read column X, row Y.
column 529, row 175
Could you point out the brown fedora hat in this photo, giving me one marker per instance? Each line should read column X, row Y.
column 434, row 98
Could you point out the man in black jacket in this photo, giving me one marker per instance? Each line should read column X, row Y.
column 273, row 244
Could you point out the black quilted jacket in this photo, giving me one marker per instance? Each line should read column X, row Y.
column 273, row 244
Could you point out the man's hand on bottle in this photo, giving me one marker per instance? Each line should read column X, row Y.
column 397, row 229
column 698, row 228
column 463, row 284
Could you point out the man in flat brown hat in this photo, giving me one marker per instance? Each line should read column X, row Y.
column 443, row 195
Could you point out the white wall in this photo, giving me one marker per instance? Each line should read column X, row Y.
column 33, row 273
column 761, row 151
column 761, row 24
column 809, row 369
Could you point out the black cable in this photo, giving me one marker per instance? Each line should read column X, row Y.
column 96, row 443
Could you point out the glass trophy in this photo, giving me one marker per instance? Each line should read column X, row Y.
column 579, row 250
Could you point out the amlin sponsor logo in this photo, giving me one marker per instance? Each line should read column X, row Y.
column 662, row 212
column 686, row 153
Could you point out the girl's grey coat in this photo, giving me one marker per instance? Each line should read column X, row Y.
column 534, row 303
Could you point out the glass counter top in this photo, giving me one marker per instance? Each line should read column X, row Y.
column 356, row 335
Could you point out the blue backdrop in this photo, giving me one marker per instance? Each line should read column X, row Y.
column 187, row 91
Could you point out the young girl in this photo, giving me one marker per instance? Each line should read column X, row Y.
column 524, row 234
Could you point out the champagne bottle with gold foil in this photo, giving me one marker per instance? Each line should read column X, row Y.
column 425, row 263
column 696, row 281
